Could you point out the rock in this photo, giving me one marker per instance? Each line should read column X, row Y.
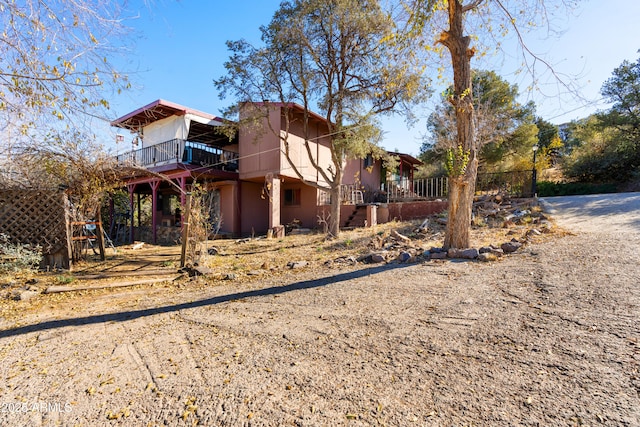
column 510, row 247
column 23, row 294
column 377, row 258
column 404, row 257
column 497, row 252
column 350, row 260
column 297, row 264
column 487, row 257
column 471, row 253
column 198, row 270
column 438, row 255
column 491, row 250
column 372, row 258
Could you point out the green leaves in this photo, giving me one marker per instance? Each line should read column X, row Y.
column 457, row 161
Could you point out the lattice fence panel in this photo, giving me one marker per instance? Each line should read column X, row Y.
column 38, row 218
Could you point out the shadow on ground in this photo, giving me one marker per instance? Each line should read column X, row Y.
column 136, row 314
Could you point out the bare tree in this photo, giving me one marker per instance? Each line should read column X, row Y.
column 464, row 20
column 337, row 57
column 55, row 61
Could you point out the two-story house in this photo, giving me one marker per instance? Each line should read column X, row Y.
column 252, row 184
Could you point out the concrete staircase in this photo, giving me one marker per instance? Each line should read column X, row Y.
column 357, row 218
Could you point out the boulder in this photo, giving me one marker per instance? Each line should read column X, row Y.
column 510, row 247
column 438, row 255
column 404, row 257
column 471, row 253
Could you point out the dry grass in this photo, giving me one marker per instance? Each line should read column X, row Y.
column 241, row 261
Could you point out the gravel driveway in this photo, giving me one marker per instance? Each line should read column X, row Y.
column 597, row 212
column 547, row 336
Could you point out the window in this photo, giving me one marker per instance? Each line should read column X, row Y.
column 368, row 161
column 292, row 197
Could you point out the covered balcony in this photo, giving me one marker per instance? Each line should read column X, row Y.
column 180, row 151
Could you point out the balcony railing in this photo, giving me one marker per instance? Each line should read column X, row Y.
column 182, row 151
column 416, row 189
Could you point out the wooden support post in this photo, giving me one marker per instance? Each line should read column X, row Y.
column 131, row 188
column 99, row 233
column 154, row 209
column 185, row 230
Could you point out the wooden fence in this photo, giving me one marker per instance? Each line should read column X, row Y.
column 40, row 218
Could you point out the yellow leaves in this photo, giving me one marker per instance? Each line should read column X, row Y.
column 126, row 412
column 107, row 381
column 190, row 408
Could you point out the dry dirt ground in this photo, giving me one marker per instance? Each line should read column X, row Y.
column 547, row 336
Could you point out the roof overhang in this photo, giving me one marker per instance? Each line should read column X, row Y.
column 406, row 158
column 158, row 110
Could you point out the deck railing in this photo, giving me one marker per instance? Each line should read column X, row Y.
column 416, row 189
column 181, row 151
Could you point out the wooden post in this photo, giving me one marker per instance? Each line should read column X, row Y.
column 185, row 230
column 154, row 209
column 131, row 188
column 99, row 235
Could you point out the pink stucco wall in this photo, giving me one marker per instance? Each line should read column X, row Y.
column 407, row 211
column 254, row 210
column 229, row 208
column 259, row 150
column 262, row 152
column 306, row 210
column 367, row 178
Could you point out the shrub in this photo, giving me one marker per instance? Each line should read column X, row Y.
column 16, row 257
column 549, row 189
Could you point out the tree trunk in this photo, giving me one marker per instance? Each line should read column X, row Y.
column 462, row 180
column 334, row 220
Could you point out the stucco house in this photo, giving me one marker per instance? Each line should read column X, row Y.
column 252, row 184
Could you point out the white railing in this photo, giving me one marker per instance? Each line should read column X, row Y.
column 417, row 189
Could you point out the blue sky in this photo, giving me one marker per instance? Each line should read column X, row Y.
column 181, row 48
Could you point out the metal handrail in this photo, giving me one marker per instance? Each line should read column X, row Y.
column 181, row 151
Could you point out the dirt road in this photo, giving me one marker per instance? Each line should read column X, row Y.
column 547, row 336
column 597, row 212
